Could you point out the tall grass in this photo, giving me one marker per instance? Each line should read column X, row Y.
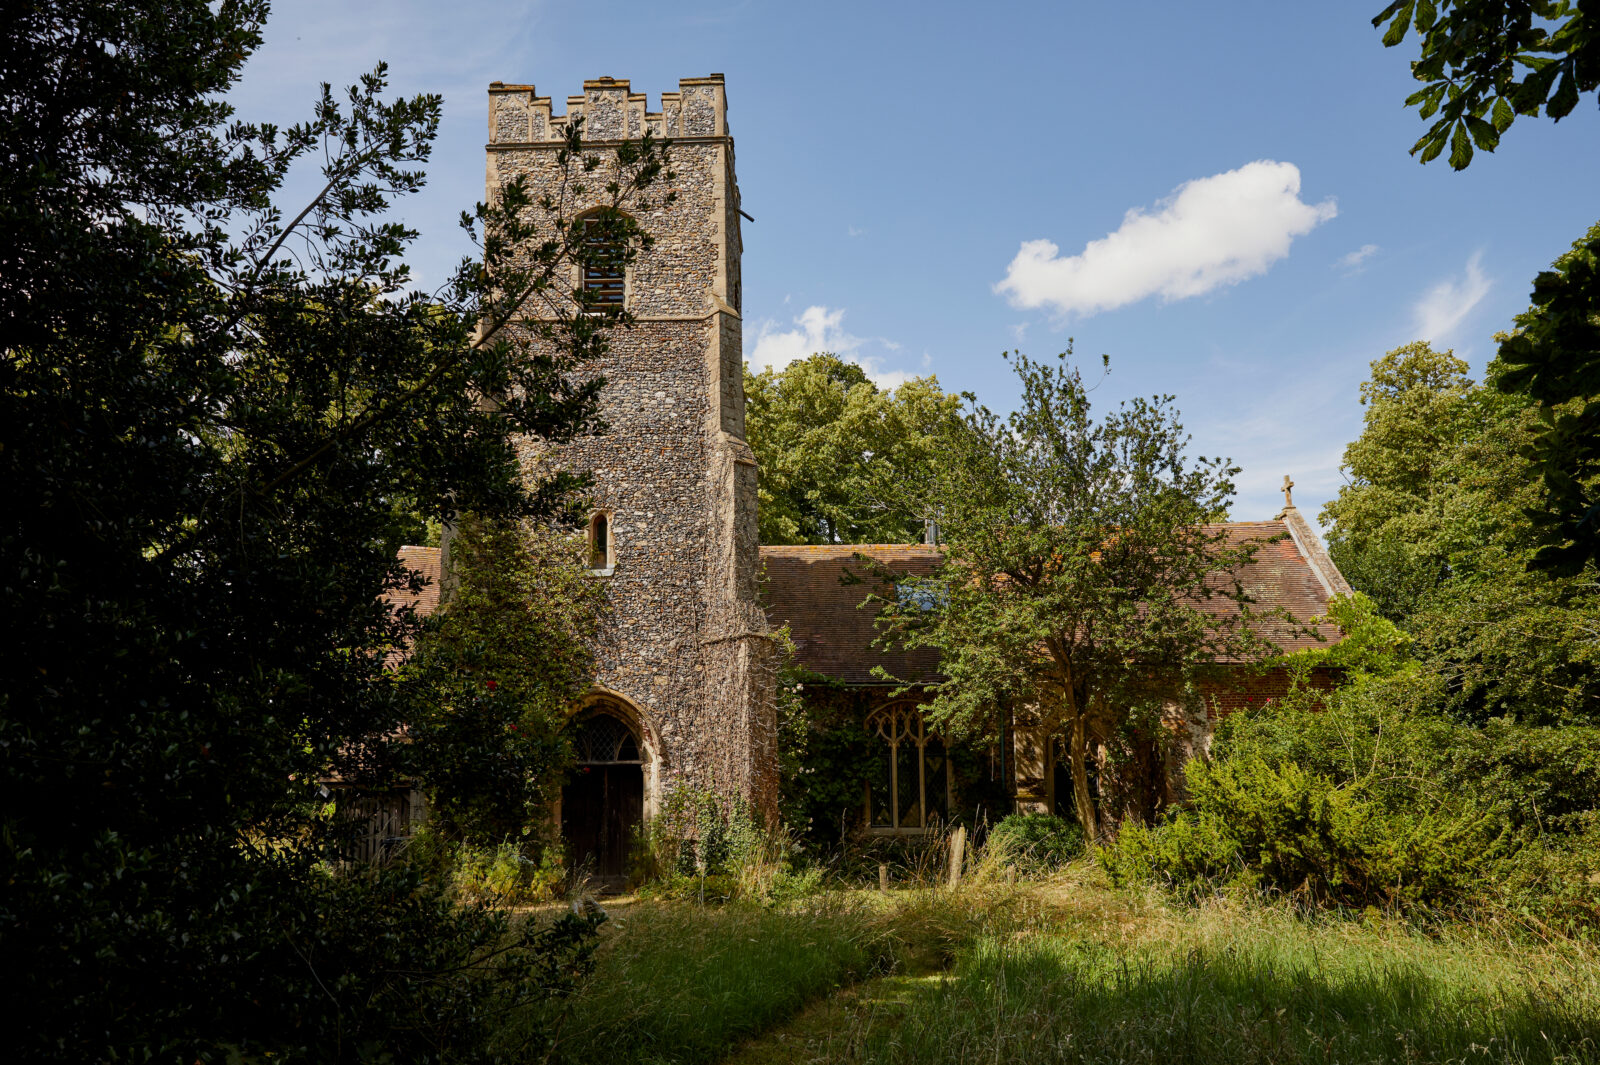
column 1256, row 986
column 682, row 983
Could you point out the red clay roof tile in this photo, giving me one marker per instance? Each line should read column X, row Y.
column 806, row 590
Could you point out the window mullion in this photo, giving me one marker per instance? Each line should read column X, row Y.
column 894, row 783
column 922, row 772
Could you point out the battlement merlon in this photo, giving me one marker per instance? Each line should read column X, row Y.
column 610, row 112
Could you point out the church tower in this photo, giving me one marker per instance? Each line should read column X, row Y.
column 686, row 659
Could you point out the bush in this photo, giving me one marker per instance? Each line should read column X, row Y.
column 1036, row 843
column 706, row 848
column 1375, row 801
column 1304, row 834
column 503, row 875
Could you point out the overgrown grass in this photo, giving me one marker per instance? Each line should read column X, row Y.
column 677, row 982
column 1116, row 981
column 1071, row 970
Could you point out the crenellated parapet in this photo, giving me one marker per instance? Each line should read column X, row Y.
column 610, row 112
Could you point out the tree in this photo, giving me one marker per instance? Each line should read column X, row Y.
column 1384, row 529
column 1434, row 526
column 215, row 419
column 504, row 659
column 842, row 461
column 1554, row 358
column 1083, row 555
column 1501, row 59
column 1484, row 62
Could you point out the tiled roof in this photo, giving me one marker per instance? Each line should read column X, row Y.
column 1280, row 576
column 833, row 634
column 805, row 589
column 426, row 561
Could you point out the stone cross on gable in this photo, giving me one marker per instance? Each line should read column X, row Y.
column 1288, row 500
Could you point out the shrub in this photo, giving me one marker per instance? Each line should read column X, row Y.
column 703, row 847
column 503, row 875
column 1035, row 843
column 1302, row 833
column 1374, row 801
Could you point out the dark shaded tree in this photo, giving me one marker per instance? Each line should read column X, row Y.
column 1553, row 357
column 216, row 420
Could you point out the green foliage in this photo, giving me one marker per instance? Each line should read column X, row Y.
column 1305, row 834
column 1420, row 409
column 1036, row 843
column 1081, row 564
column 218, row 418
column 842, row 461
column 703, row 846
column 1370, row 645
column 825, row 759
column 824, row 753
column 501, row 664
column 1370, row 799
column 1554, row 358
column 393, row 965
column 1485, row 62
column 1433, row 526
column 504, row 875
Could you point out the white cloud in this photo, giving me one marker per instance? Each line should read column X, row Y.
column 821, row 329
column 1210, row 232
column 853, row 231
column 1355, row 259
column 1446, row 305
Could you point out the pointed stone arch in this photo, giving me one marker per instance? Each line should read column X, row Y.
column 611, row 790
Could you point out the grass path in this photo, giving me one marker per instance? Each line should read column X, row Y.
column 1080, row 973
column 1069, row 970
column 825, row 1029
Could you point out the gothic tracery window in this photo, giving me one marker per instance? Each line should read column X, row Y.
column 910, row 791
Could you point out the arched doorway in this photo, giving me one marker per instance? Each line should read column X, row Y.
column 603, row 800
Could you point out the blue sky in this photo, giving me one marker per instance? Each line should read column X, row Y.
column 1218, row 196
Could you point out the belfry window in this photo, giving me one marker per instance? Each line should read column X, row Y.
column 604, row 277
column 910, row 788
column 602, row 558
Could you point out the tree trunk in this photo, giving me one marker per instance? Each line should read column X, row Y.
column 1078, row 744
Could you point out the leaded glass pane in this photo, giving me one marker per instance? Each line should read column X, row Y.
column 604, row 739
column 937, row 768
column 878, row 792
column 910, row 802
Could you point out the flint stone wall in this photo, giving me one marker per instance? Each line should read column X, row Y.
column 685, row 641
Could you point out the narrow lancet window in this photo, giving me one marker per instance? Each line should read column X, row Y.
column 600, row 543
